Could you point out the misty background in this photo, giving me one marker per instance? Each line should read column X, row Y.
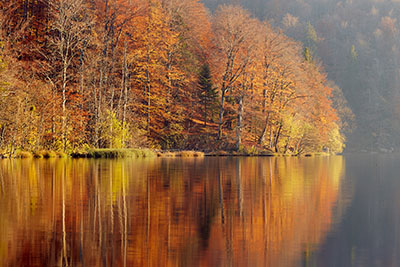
column 357, row 42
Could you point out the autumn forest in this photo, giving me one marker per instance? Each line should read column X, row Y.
column 160, row 74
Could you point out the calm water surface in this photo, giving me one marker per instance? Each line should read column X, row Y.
column 327, row 211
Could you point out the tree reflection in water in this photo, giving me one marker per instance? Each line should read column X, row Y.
column 189, row 212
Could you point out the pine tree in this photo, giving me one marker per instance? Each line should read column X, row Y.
column 308, row 55
column 207, row 93
column 353, row 54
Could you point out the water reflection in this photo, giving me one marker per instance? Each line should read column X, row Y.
column 186, row 212
column 369, row 234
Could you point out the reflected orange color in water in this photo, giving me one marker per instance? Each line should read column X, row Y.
column 153, row 212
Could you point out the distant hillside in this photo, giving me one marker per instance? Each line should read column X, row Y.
column 358, row 43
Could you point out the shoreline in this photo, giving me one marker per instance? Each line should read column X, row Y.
column 149, row 153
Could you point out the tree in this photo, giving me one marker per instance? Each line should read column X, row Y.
column 308, row 54
column 109, row 74
column 207, row 93
column 157, row 77
column 68, row 34
column 120, row 73
column 280, row 74
column 233, row 33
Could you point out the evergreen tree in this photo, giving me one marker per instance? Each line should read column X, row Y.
column 353, row 53
column 308, row 55
column 310, row 42
column 207, row 93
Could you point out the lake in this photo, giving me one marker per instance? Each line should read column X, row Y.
column 318, row 211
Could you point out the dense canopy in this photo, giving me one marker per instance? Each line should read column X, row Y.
column 159, row 74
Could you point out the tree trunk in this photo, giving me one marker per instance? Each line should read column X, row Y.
column 148, row 92
column 239, row 124
column 96, row 95
column 205, row 113
column 264, row 103
column 221, row 112
column 125, row 88
column 287, row 144
column 277, row 136
column 26, row 3
column 264, row 132
column 298, row 146
column 3, row 129
column 122, row 95
column 64, row 101
column 271, row 139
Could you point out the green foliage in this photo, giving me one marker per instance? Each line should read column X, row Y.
column 31, row 137
column 308, row 54
column 207, row 93
column 114, row 133
column 47, row 154
column 353, row 54
column 310, row 43
column 247, row 151
column 111, row 153
column 59, row 145
column 311, row 33
column 173, row 136
column 311, row 38
column 336, row 141
column 144, row 153
column 252, row 151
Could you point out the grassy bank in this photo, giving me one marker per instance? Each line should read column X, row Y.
column 135, row 153
column 180, row 154
column 90, row 153
column 242, row 154
column 114, row 153
column 42, row 154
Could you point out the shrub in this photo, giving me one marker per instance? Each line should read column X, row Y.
column 114, row 153
column 189, row 154
column 61, row 155
column 38, row 154
column 49, row 154
column 24, row 155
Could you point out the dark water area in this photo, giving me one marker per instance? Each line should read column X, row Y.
column 322, row 211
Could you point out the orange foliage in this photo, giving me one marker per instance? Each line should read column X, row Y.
column 133, row 66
